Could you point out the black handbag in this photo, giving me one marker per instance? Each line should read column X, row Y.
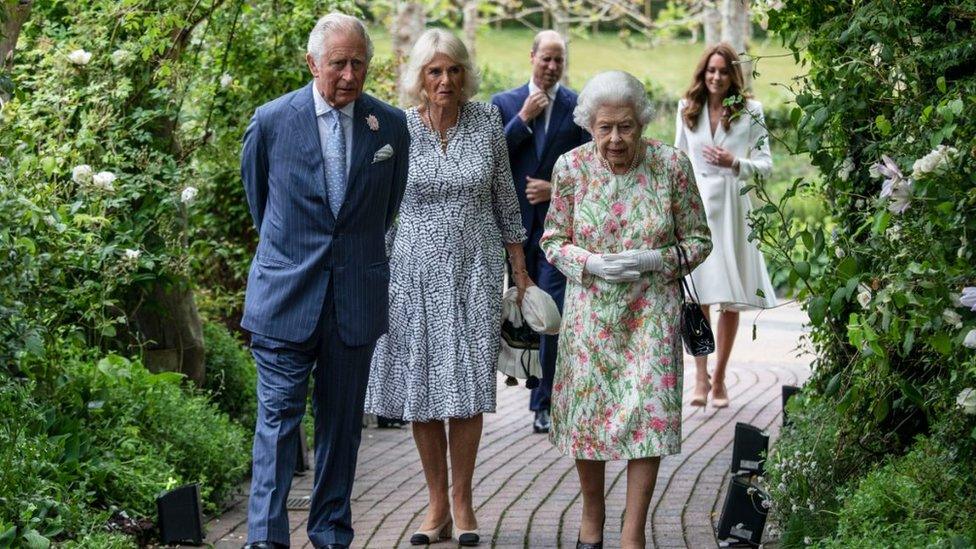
column 695, row 331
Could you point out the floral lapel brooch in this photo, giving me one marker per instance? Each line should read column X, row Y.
column 373, row 123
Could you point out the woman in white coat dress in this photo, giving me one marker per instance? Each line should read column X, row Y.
column 728, row 146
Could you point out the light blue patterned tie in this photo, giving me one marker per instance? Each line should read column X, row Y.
column 335, row 163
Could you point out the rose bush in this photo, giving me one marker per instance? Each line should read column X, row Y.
column 887, row 113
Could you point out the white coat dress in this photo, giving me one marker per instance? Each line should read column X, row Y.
column 735, row 270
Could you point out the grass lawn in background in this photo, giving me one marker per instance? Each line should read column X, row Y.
column 668, row 65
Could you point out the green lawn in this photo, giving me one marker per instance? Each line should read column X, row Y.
column 668, row 65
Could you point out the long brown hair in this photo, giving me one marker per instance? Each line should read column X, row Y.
column 697, row 95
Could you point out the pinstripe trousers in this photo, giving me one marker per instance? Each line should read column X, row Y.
column 340, row 375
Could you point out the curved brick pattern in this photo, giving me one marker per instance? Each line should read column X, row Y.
column 527, row 494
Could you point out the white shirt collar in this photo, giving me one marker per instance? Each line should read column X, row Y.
column 322, row 107
column 552, row 91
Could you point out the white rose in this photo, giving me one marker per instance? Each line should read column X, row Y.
column 226, row 80
column 81, row 174
column 859, row 203
column 876, row 54
column 952, row 317
column 967, row 401
column 132, row 255
column 970, row 341
column 104, row 180
column 840, row 253
column 120, row 57
column 937, row 158
column 893, row 233
column 846, row 167
column 864, row 296
column 188, row 195
column 79, row 57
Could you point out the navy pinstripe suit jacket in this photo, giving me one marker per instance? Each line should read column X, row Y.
column 302, row 245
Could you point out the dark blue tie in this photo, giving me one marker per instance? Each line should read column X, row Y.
column 539, row 133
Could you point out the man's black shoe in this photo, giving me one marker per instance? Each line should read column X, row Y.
column 335, row 546
column 542, row 422
column 265, row 545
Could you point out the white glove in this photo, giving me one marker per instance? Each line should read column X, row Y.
column 612, row 267
column 642, row 260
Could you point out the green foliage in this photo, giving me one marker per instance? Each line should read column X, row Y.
column 108, row 435
column 881, row 280
column 231, row 375
column 923, row 499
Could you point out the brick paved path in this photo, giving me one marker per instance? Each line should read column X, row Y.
column 526, row 494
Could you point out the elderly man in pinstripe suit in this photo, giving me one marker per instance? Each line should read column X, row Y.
column 324, row 169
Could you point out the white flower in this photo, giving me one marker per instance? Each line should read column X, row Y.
column 226, row 80
column 859, row 203
column 49, row 219
column 952, row 317
column 188, row 195
column 967, row 401
column 121, row 57
column 104, row 180
column 807, row 540
column 876, row 54
column 132, row 255
column 840, row 253
column 970, row 341
column 845, row 169
column 893, row 233
column 79, row 57
column 864, row 296
column 895, row 186
column 81, row 174
column 968, row 298
column 936, row 159
column 766, row 504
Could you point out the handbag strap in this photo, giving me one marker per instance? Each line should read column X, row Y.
column 692, row 292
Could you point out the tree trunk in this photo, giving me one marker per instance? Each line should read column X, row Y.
column 173, row 326
column 735, row 22
column 712, row 23
column 470, row 14
column 561, row 25
column 408, row 23
column 16, row 16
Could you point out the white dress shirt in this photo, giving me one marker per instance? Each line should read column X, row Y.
column 551, row 93
column 323, row 117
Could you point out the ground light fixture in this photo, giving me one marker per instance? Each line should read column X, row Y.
column 180, row 516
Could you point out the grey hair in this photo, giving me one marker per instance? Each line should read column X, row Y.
column 612, row 88
column 430, row 43
column 330, row 24
column 547, row 34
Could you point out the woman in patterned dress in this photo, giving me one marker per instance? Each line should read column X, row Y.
column 621, row 206
column 459, row 215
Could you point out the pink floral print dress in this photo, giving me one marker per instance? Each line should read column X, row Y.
column 617, row 388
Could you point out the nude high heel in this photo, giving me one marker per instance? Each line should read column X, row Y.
column 722, row 402
column 703, row 399
column 426, row 537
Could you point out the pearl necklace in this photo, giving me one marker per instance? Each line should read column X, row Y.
column 638, row 156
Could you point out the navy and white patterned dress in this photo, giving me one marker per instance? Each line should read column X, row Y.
column 438, row 359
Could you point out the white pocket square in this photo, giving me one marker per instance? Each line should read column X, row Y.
column 383, row 153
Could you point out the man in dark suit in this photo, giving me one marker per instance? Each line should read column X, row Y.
column 324, row 169
column 539, row 127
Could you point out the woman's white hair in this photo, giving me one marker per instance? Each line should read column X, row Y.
column 330, row 24
column 612, row 88
column 430, row 43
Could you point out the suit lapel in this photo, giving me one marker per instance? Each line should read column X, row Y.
column 307, row 130
column 560, row 109
column 363, row 141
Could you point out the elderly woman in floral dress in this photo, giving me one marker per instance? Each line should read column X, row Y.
column 621, row 207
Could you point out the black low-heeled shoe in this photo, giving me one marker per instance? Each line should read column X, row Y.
column 581, row 545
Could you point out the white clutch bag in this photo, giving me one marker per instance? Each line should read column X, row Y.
column 518, row 357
